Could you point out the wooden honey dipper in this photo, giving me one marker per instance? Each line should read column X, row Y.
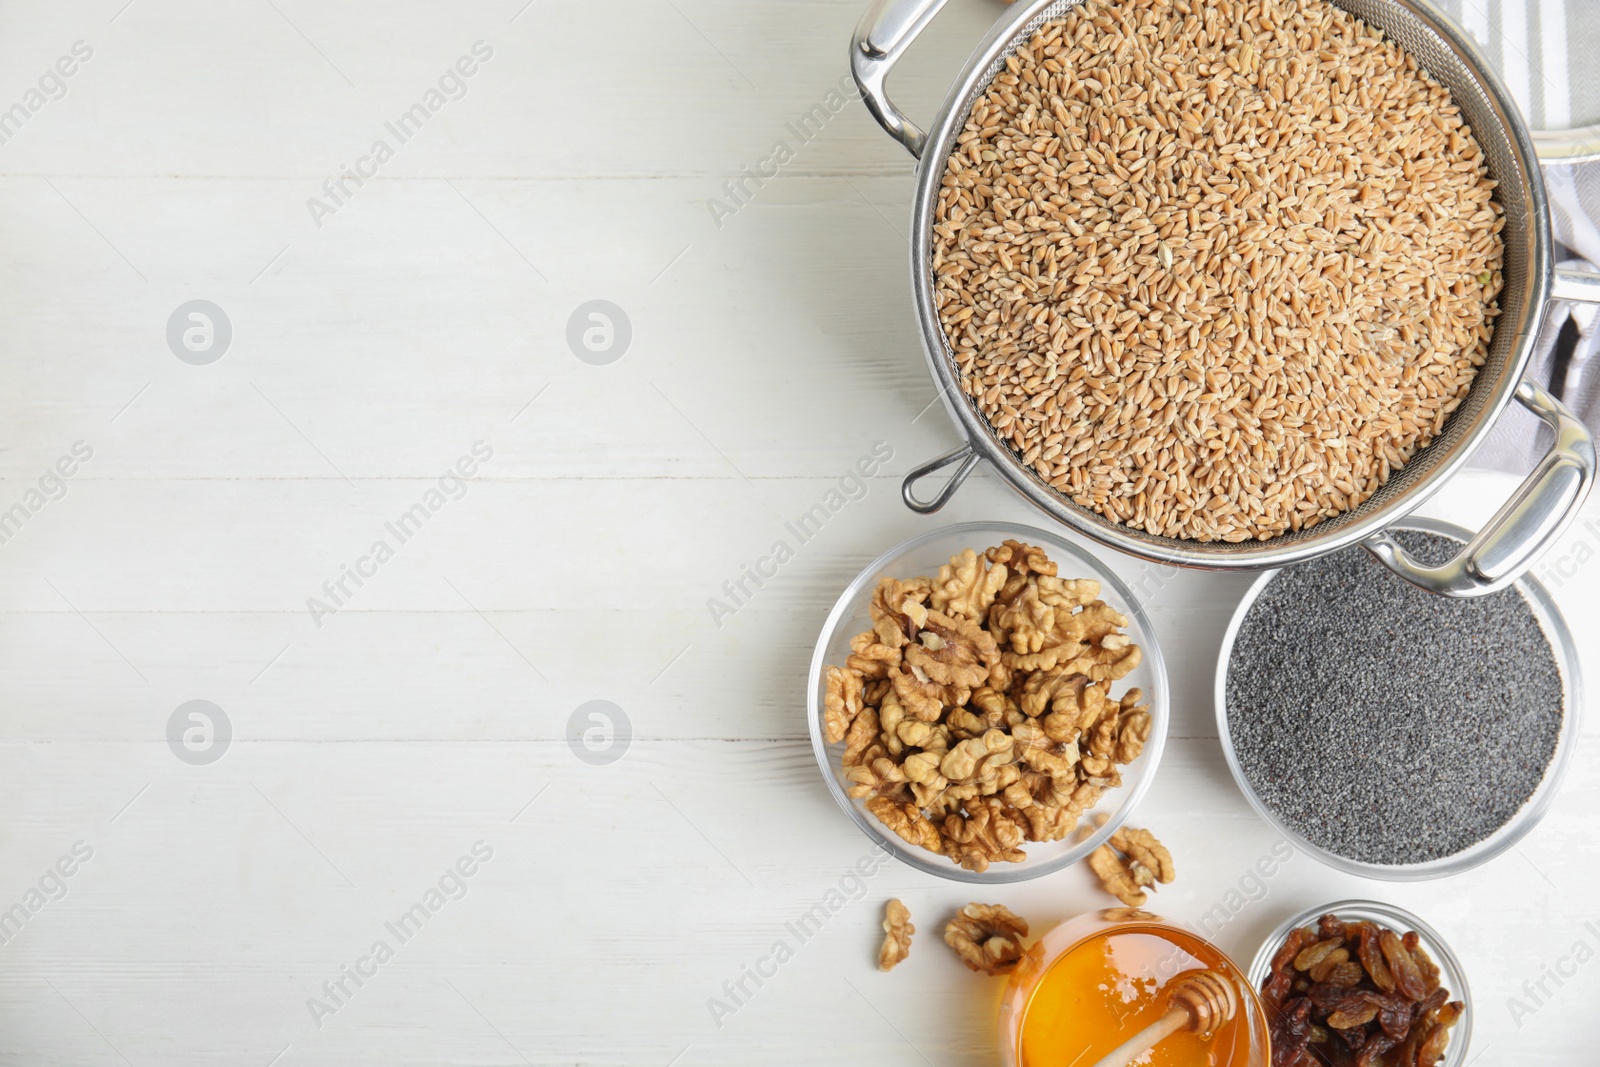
column 1201, row 1001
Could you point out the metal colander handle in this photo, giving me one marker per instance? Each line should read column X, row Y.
column 1537, row 513
column 1578, row 145
column 881, row 38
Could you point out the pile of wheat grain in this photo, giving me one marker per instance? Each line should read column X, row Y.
column 1216, row 268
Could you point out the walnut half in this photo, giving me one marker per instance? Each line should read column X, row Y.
column 987, row 937
column 840, row 703
column 1130, row 861
column 897, row 931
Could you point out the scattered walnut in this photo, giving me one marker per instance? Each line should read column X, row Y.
column 1115, row 877
column 977, row 713
column 987, row 937
column 1129, row 862
column 1145, row 852
column 897, row 931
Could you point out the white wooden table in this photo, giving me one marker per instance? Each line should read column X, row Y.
column 379, row 739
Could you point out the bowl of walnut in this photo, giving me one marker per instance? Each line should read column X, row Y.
column 988, row 701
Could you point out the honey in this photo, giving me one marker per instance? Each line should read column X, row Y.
column 1113, row 984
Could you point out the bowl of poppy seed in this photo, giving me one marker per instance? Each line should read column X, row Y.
column 1390, row 732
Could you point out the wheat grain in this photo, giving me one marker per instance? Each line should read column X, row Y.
column 1216, row 270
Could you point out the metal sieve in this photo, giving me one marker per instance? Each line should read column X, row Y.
column 1542, row 506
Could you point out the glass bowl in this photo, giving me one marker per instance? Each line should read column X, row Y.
column 1451, row 976
column 924, row 555
column 1188, row 950
column 1565, row 651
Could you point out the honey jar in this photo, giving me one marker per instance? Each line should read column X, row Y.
column 1096, row 980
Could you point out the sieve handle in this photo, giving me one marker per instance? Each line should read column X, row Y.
column 1541, row 508
column 1576, row 286
column 1580, row 145
column 881, row 38
column 908, row 491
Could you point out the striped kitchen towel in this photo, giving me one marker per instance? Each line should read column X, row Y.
column 1543, row 49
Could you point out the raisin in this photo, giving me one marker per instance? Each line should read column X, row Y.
column 1376, row 1046
column 1310, row 957
column 1329, row 926
column 1347, row 974
column 1353, row 1037
column 1291, row 1033
column 1275, row 989
column 1424, row 962
column 1407, row 976
column 1320, row 970
column 1395, row 1016
column 1346, row 1020
column 1280, row 975
column 1372, row 959
column 1431, row 1003
column 1431, row 1050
